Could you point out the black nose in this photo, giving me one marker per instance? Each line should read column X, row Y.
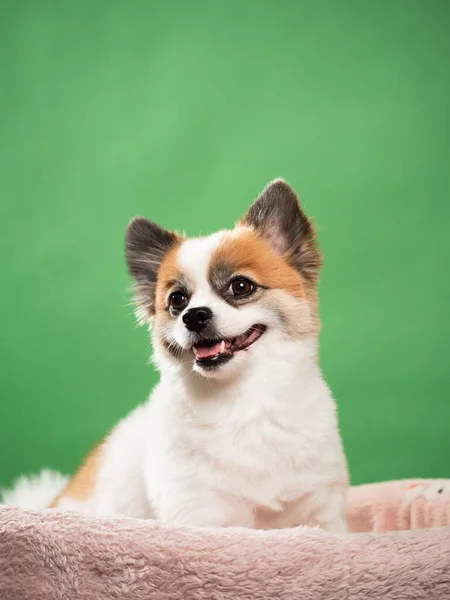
column 198, row 318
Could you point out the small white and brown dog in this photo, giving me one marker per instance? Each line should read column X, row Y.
column 241, row 430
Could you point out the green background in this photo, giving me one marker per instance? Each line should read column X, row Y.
column 182, row 112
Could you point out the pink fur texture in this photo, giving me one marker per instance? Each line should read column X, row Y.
column 51, row 555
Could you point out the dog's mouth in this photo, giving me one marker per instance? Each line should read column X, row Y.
column 213, row 353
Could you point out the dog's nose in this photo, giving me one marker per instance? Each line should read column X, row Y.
column 198, row 318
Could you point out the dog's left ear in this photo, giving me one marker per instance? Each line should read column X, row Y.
column 277, row 217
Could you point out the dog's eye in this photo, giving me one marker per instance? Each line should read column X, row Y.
column 241, row 286
column 178, row 300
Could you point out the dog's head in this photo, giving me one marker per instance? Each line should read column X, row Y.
column 217, row 302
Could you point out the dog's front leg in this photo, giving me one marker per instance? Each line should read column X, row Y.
column 330, row 511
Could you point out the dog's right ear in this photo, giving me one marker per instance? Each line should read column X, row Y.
column 146, row 245
column 277, row 217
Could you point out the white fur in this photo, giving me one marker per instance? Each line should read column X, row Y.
column 269, row 441
column 254, row 444
column 35, row 491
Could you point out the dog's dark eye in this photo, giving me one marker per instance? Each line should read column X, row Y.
column 241, row 286
column 178, row 300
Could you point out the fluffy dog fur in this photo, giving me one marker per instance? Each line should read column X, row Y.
column 241, row 429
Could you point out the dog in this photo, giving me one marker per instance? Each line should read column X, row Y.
column 241, row 430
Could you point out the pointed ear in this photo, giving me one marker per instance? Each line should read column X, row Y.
column 146, row 244
column 277, row 217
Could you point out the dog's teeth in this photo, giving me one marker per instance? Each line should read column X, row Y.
column 194, row 350
column 222, row 347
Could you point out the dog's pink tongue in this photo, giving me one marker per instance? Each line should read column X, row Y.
column 208, row 351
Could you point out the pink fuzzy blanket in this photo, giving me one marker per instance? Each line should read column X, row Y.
column 52, row 555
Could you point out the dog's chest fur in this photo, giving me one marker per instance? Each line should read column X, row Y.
column 266, row 441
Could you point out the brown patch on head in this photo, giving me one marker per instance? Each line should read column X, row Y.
column 169, row 277
column 243, row 252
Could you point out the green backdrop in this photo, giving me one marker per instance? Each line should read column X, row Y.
column 182, row 111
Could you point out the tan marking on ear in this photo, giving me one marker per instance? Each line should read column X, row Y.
column 168, row 271
column 81, row 485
